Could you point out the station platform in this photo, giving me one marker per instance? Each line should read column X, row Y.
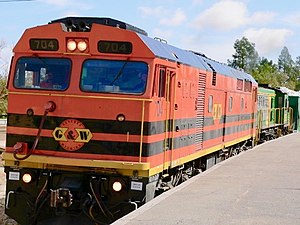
column 260, row 186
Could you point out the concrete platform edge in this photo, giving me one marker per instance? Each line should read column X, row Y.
column 131, row 216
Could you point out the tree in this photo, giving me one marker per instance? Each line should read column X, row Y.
column 245, row 56
column 285, row 61
column 3, row 79
column 297, row 73
column 264, row 71
column 285, row 74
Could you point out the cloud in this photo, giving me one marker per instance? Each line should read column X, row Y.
column 224, row 15
column 213, row 48
column 230, row 14
column 164, row 34
column 5, row 56
column 261, row 18
column 197, row 2
column 220, row 52
column 59, row 3
column 69, row 4
column 176, row 19
column 268, row 41
column 293, row 19
column 165, row 16
column 150, row 11
column 71, row 13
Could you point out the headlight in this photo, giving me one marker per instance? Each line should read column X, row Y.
column 71, row 45
column 82, row 46
column 27, row 178
column 117, row 186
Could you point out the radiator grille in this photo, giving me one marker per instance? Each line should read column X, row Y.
column 200, row 111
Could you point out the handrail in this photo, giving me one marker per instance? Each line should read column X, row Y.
column 142, row 131
column 18, row 147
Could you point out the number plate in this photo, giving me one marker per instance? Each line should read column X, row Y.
column 43, row 44
column 138, row 186
column 14, row 176
column 115, row 47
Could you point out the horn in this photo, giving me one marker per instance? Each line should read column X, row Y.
column 83, row 26
column 70, row 24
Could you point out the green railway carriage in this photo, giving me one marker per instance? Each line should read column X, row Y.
column 283, row 116
column 294, row 102
column 266, row 107
column 293, row 99
column 274, row 114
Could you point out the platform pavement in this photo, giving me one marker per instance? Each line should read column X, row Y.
column 2, row 174
column 260, row 186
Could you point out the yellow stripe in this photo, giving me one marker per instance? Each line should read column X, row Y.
column 79, row 96
column 204, row 152
column 46, row 162
column 123, row 168
column 76, row 53
column 197, row 155
column 236, row 141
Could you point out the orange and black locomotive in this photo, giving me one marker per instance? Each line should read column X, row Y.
column 101, row 118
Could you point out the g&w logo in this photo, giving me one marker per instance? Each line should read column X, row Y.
column 72, row 135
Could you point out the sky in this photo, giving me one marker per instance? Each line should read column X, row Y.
column 207, row 26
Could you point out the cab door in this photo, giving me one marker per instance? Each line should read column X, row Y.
column 166, row 93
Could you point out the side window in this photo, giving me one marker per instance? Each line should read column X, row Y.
column 239, row 85
column 162, row 83
column 230, row 105
column 248, row 86
column 210, row 103
column 280, row 101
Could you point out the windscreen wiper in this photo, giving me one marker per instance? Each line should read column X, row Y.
column 119, row 73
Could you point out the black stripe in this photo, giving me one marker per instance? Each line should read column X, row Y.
column 103, row 126
column 95, row 126
column 235, row 118
column 115, row 127
column 124, row 148
column 92, row 147
column 228, row 131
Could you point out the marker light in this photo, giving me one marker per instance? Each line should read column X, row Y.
column 82, row 46
column 121, row 118
column 27, row 178
column 71, row 45
column 117, row 186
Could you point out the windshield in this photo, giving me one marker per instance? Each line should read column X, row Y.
column 42, row 73
column 114, row 76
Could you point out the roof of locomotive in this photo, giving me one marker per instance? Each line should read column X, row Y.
column 84, row 24
column 163, row 50
column 159, row 49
